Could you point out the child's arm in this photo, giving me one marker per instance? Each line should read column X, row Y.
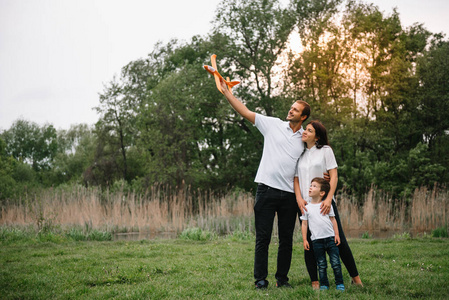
column 337, row 235
column 304, row 234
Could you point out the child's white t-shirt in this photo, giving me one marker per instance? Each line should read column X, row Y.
column 320, row 226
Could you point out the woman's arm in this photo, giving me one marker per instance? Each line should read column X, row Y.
column 301, row 202
column 327, row 203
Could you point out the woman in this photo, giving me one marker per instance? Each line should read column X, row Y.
column 318, row 158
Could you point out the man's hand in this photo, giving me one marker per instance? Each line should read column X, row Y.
column 327, row 177
column 224, row 86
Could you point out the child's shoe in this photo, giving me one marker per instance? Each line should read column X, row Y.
column 341, row 287
column 324, row 288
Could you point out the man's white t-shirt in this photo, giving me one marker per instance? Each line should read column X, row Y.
column 320, row 226
column 281, row 149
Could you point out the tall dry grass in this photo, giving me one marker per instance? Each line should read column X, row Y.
column 159, row 209
column 426, row 210
column 163, row 209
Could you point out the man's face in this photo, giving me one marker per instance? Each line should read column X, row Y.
column 314, row 190
column 295, row 112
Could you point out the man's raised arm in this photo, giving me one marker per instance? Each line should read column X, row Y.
column 237, row 104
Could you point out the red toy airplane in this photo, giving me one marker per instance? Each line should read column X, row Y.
column 213, row 71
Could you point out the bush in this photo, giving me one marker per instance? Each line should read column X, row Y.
column 196, row 234
column 239, row 235
column 440, row 232
column 96, row 235
column 365, row 235
column 403, row 236
column 76, row 234
column 12, row 234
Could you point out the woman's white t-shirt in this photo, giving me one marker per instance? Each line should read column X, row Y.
column 313, row 163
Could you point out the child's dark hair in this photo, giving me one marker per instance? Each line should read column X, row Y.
column 324, row 186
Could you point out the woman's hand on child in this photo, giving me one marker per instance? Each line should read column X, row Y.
column 326, row 206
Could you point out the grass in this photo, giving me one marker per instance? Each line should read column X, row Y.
column 205, row 266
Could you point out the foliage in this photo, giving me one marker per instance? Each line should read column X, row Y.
column 440, row 232
column 197, row 234
column 239, row 235
column 401, row 236
column 358, row 72
column 380, row 89
column 11, row 235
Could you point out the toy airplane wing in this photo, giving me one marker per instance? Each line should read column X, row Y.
column 213, row 70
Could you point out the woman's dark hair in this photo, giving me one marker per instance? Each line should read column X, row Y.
column 320, row 133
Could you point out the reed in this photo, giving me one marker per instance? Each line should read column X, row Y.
column 162, row 209
column 425, row 211
column 158, row 209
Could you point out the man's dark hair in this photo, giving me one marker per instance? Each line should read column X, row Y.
column 305, row 108
column 324, row 186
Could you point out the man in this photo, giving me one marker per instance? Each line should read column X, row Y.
column 275, row 193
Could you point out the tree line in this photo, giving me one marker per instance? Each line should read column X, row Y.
column 381, row 89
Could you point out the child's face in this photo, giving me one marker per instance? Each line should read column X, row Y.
column 314, row 190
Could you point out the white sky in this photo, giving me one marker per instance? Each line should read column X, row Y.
column 55, row 55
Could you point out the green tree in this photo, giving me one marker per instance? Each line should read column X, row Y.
column 252, row 35
column 357, row 70
column 433, row 108
column 32, row 144
column 183, row 122
column 77, row 147
column 7, row 182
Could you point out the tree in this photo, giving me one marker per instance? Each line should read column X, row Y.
column 433, row 108
column 252, row 35
column 29, row 143
column 76, row 153
column 7, row 182
column 358, row 73
column 183, row 122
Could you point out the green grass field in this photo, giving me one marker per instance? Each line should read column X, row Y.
column 57, row 267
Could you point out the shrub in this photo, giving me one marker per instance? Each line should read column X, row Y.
column 365, row 235
column 76, row 234
column 12, row 234
column 96, row 235
column 196, row 234
column 440, row 232
column 239, row 235
column 403, row 236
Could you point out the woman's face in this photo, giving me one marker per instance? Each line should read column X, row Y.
column 308, row 136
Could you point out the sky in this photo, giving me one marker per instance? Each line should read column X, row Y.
column 57, row 55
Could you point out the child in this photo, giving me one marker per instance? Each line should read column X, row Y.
column 325, row 237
